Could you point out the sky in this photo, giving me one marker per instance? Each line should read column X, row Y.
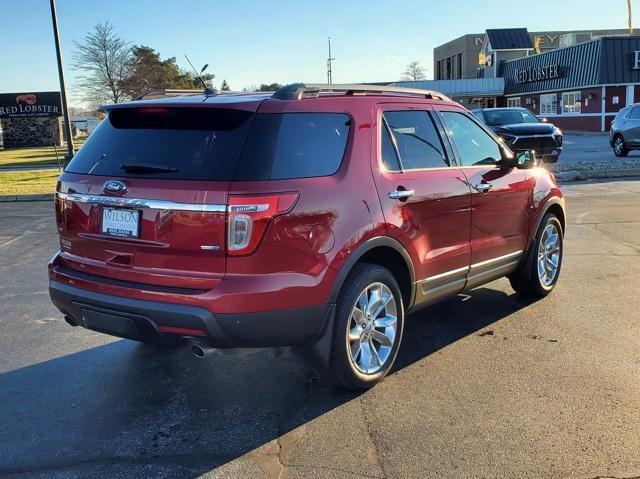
column 249, row 42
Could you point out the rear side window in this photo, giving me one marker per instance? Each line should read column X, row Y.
column 310, row 144
column 294, row 145
column 416, row 139
column 172, row 143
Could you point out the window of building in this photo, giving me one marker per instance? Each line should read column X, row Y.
column 513, row 102
column 571, row 102
column 416, row 139
column 549, row 104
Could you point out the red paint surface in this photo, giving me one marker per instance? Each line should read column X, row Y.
column 443, row 227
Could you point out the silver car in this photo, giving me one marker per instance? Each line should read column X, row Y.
column 625, row 130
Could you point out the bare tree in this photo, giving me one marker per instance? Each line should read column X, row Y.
column 414, row 72
column 102, row 58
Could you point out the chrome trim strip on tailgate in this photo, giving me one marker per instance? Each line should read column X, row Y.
column 141, row 203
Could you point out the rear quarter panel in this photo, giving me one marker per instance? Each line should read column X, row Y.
column 303, row 251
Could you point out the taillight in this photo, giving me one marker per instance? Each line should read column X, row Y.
column 249, row 217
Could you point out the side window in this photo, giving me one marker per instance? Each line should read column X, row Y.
column 310, row 144
column 417, row 139
column 635, row 113
column 389, row 157
column 474, row 145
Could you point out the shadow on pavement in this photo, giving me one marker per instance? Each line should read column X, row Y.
column 124, row 405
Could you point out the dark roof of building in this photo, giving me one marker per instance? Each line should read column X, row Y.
column 509, row 38
column 602, row 61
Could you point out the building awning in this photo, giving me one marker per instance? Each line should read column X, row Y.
column 466, row 88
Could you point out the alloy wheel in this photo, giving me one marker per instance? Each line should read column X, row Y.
column 618, row 145
column 549, row 252
column 372, row 328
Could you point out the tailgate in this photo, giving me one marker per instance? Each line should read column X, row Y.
column 171, row 233
column 144, row 199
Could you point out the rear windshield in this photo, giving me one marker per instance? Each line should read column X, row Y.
column 213, row 144
column 173, row 143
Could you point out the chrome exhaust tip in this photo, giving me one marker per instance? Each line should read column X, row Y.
column 198, row 348
column 199, row 351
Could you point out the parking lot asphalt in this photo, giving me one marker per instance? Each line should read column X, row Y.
column 487, row 384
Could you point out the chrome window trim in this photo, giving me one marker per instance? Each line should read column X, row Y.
column 141, row 203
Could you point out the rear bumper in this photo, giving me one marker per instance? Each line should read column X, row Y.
column 142, row 320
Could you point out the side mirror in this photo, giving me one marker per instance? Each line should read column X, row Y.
column 526, row 159
column 544, row 120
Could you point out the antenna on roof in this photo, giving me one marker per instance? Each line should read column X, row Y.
column 207, row 91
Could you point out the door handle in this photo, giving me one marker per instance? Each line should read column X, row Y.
column 401, row 194
column 482, row 187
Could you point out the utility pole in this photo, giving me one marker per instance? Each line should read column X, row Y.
column 630, row 22
column 329, row 60
column 63, row 91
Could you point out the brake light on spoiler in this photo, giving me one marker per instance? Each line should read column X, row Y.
column 249, row 216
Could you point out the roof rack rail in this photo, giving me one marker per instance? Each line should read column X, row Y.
column 167, row 92
column 297, row 91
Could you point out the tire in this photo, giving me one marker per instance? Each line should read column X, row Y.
column 537, row 276
column 366, row 367
column 619, row 147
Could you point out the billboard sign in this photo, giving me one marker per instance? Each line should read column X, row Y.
column 30, row 104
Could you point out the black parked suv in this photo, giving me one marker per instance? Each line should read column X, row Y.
column 522, row 130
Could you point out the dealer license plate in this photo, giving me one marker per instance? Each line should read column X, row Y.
column 121, row 222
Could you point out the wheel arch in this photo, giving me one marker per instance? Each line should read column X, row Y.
column 388, row 253
column 553, row 205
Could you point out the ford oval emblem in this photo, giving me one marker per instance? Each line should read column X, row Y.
column 114, row 186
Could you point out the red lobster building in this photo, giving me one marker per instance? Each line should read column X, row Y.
column 580, row 87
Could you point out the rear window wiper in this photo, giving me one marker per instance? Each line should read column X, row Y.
column 146, row 168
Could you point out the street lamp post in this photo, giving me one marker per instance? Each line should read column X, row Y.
column 63, row 91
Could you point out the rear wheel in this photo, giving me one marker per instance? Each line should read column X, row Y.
column 619, row 147
column 538, row 275
column 368, row 327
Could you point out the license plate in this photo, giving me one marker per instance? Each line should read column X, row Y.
column 121, row 222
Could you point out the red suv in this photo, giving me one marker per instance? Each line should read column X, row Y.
column 317, row 217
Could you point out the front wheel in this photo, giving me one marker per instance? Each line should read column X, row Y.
column 619, row 147
column 538, row 275
column 368, row 327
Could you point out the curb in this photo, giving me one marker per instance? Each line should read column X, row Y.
column 596, row 174
column 12, row 198
column 9, row 169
